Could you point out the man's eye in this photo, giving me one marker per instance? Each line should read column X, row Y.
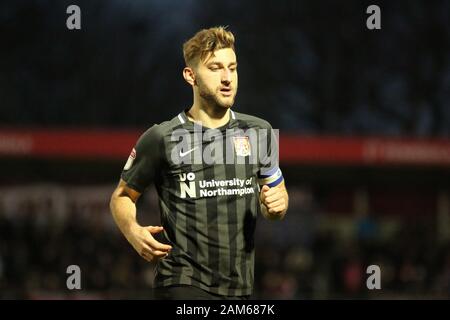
column 214, row 68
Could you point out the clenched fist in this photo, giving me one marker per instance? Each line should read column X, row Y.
column 275, row 201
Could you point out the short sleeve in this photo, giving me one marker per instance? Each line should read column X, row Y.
column 144, row 161
column 269, row 172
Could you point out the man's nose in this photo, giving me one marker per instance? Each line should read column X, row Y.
column 226, row 76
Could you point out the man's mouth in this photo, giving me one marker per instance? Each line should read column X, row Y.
column 226, row 91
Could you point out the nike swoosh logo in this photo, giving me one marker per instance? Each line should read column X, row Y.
column 182, row 154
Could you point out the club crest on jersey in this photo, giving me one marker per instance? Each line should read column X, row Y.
column 242, row 146
column 130, row 160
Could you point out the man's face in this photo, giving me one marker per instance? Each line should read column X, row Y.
column 217, row 79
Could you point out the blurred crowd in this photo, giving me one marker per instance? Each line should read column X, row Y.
column 318, row 255
column 312, row 254
column 308, row 66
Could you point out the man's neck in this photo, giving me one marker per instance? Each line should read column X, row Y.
column 210, row 117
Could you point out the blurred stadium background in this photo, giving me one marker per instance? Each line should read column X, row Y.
column 364, row 118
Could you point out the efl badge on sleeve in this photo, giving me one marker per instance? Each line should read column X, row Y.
column 242, row 146
column 130, row 160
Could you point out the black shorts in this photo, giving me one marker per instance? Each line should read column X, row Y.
column 186, row 292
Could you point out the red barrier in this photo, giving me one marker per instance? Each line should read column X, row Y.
column 294, row 149
column 47, row 143
column 364, row 150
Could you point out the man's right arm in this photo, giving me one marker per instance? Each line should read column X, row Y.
column 123, row 209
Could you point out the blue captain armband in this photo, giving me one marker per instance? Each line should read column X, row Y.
column 272, row 177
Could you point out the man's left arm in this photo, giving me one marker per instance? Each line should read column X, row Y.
column 274, row 201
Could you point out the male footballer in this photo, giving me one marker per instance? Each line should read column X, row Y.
column 212, row 179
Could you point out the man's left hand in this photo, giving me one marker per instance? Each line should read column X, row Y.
column 275, row 201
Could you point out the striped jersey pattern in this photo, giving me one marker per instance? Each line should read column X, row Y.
column 208, row 210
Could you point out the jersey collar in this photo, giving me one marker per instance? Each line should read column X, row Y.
column 182, row 117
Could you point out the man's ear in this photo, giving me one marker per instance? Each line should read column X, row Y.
column 189, row 75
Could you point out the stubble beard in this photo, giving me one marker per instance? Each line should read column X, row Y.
column 213, row 99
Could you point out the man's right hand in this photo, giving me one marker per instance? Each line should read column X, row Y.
column 142, row 240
